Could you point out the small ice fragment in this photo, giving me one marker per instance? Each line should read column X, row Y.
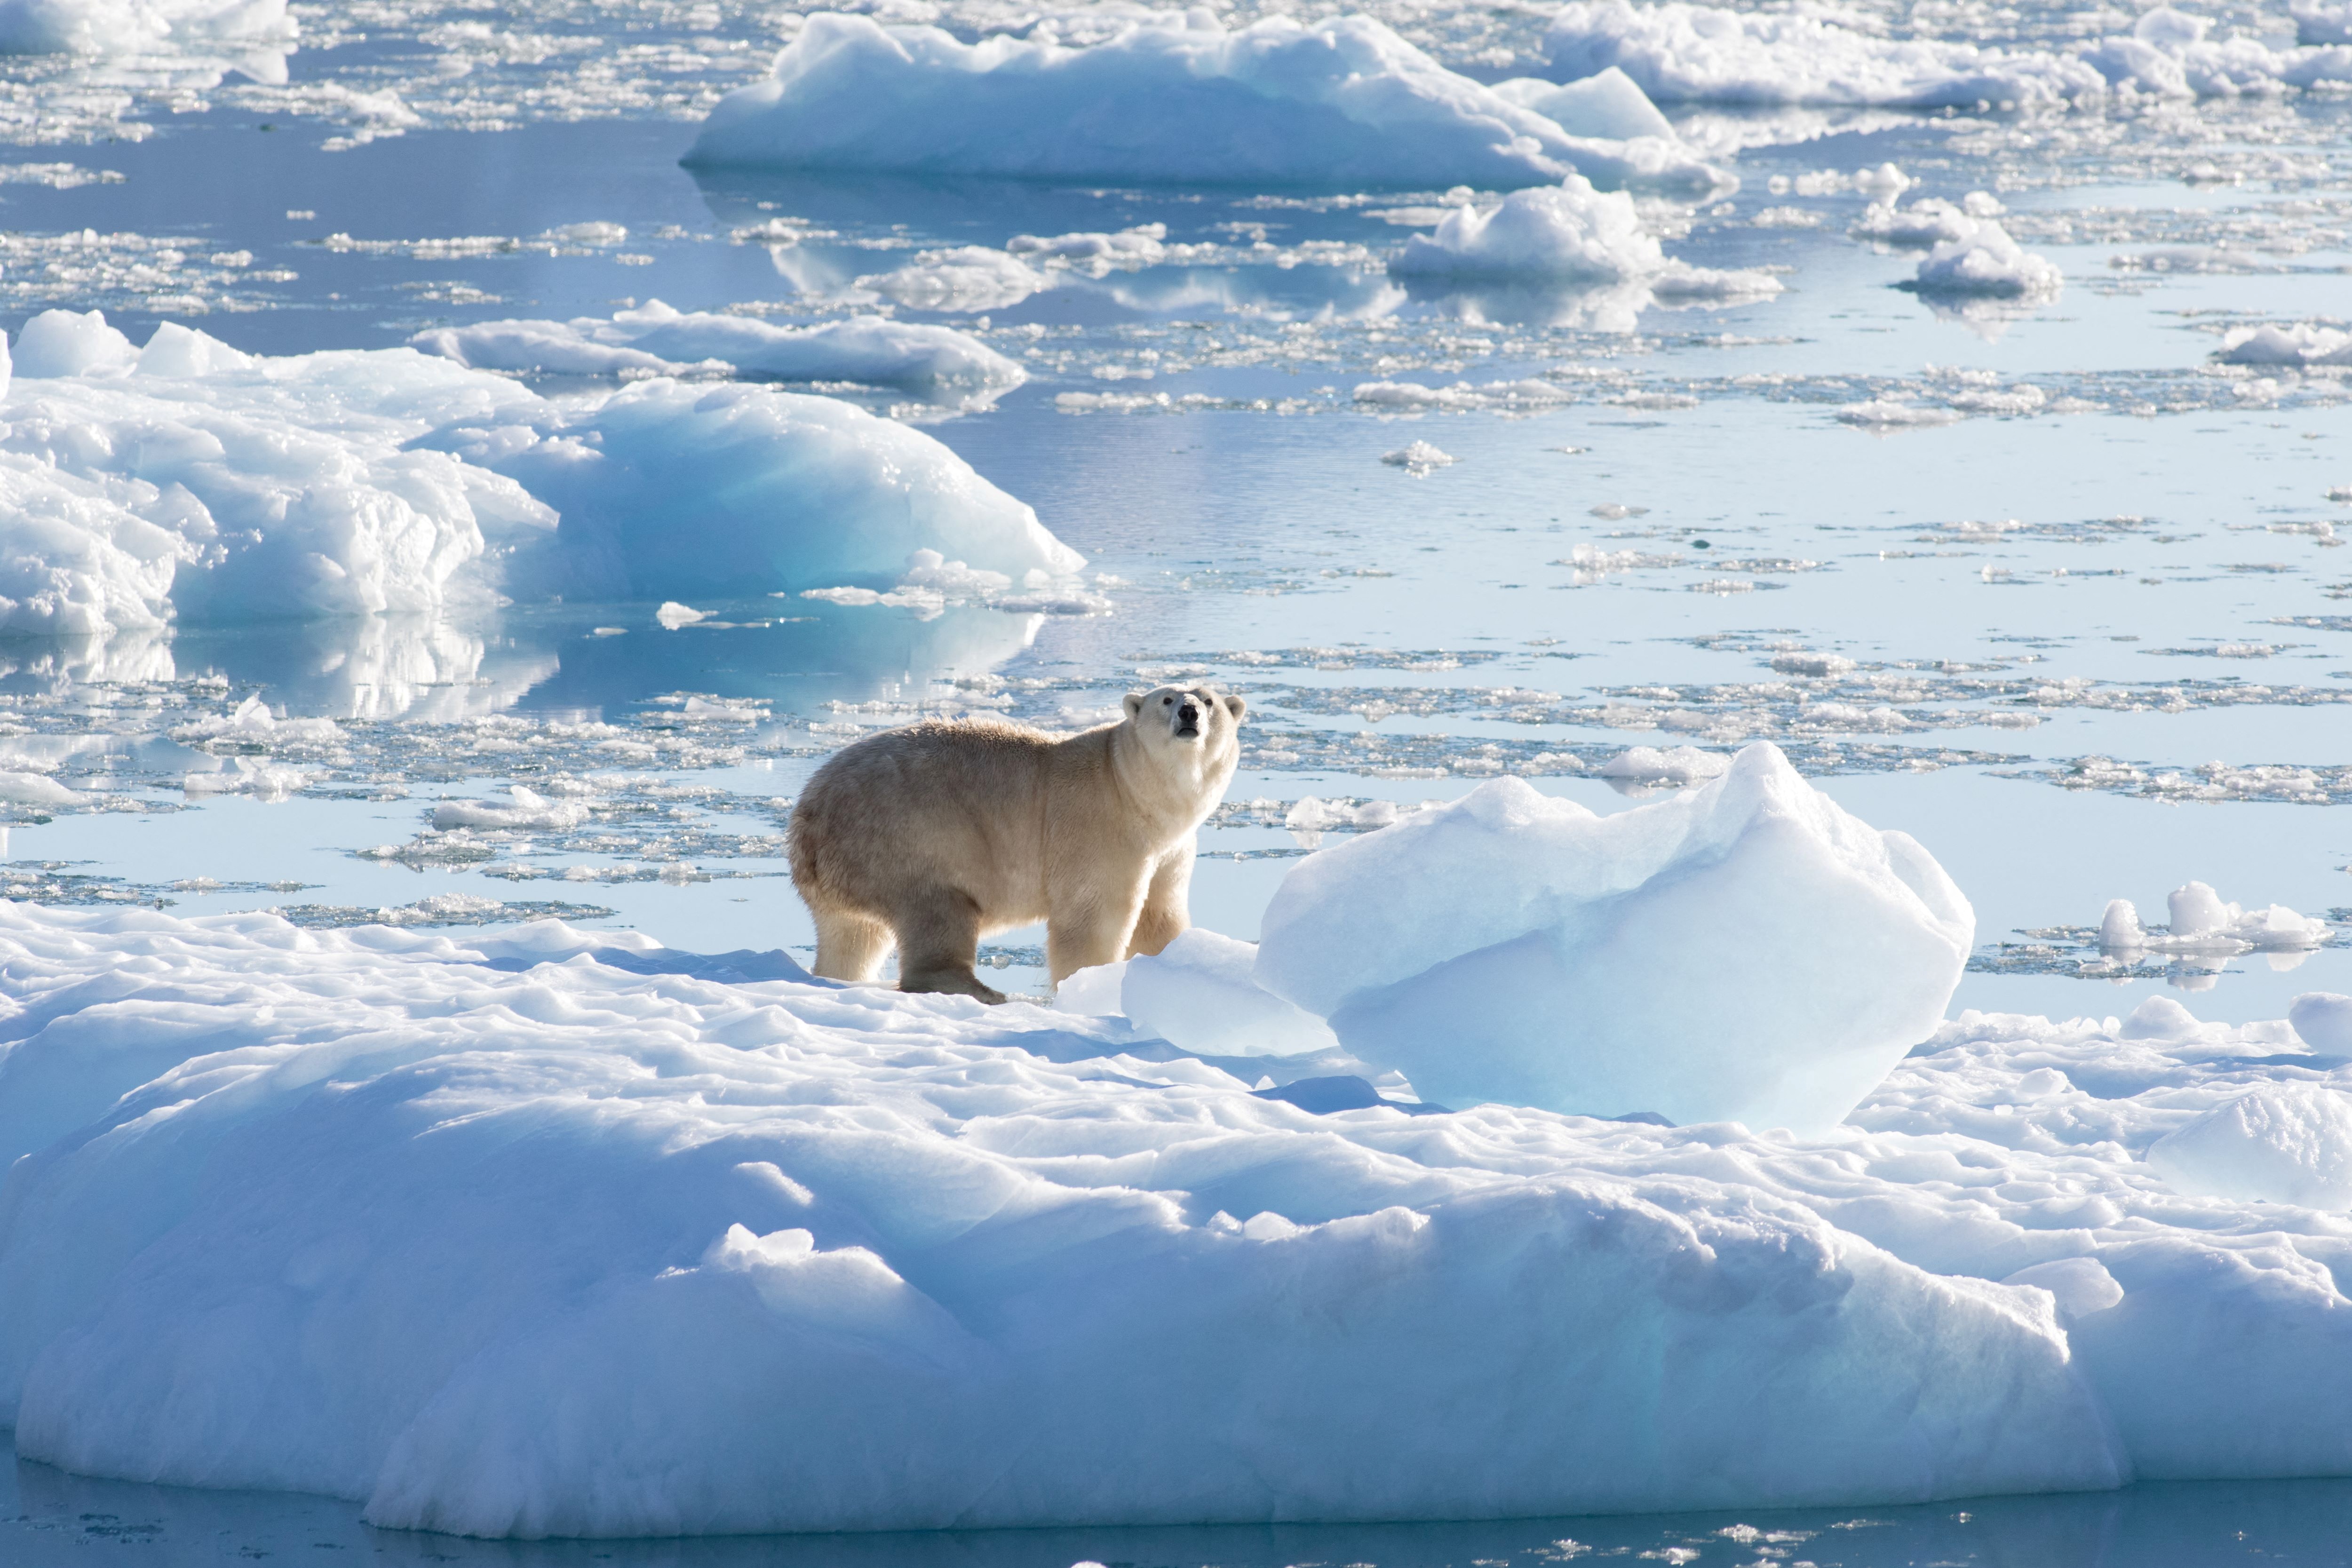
column 609, row 632
column 1094, row 990
column 2198, row 910
column 2119, row 928
column 1675, row 765
column 673, row 614
column 1816, row 664
column 1419, row 459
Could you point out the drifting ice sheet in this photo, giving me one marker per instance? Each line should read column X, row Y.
column 1175, row 97
column 1745, row 952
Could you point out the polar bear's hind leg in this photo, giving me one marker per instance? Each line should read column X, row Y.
column 850, row 946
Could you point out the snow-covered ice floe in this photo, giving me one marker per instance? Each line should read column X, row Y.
column 557, row 1232
column 186, row 479
column 655, row 339
column 132, row 26
column 2297, row 344
column 1746, row 951
column 1568, row 232
column 1173, row 96
column 1975, row 256
column 1680, row 52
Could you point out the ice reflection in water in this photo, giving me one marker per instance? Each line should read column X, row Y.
column 49, row 1518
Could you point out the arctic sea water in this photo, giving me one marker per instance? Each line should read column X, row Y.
column 2040, row 573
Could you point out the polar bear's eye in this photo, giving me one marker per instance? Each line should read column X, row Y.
column 1166, row 701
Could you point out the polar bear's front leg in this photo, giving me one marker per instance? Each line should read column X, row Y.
column 1091, row 924
column 1167, row 906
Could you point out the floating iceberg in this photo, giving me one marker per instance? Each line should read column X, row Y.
column 1171, row 96
column 131, row 27
column 1568, row 233
column 655, row 340
column 1744, row 952
column 1679, row 52
column 186, row 480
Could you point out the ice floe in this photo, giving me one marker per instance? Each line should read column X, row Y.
column 1568, row 232
column 188, row 480
column 2297, row 344
column 1787, row 954
column 655, row 340
column 582, row 1236
column 1169, row 97
column 1981, row 259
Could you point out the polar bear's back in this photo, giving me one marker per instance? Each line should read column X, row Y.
column 946, row 806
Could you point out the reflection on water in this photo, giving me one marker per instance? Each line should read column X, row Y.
column 596, row 659
column 48, row 1517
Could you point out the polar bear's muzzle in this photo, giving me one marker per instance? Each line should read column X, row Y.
column 1188, row 720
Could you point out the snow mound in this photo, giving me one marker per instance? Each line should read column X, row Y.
column 1982, row 260
column 188, row 480
column 1746, row 951
column 655, row 339
column 2322, row 1019
column 1569, row 231
column 2281, row 1144
column 1607, row 104
column 1679, row 52
column 1173, row 97
column 2297, row 344
column 558, row 1248
column 133, row 26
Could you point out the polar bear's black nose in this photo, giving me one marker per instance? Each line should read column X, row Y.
column 1188, row 717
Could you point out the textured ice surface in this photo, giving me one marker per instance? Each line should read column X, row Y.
column 572, row 1249
column 1173, row 97
column 2281, row 1143
column 575, row 1239
column 1744, row 952
column 187, row 479
column 1198, row 994
column 1681, row 52
column 655, row 339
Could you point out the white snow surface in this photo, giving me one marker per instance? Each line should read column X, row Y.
column 1705, row 54
column 132, row 26
column 503, row 1239
column 188, row 480
column 657, row 339
column 1568, row 232
column 1746, row 951
column 1173, row 96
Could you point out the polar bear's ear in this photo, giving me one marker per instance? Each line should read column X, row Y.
column 1134, row 703
column 1236, row 707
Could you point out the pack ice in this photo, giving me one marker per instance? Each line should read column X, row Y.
column 1681, row 52
column 186, row 479
column 1745, row 952
column 1171, row 95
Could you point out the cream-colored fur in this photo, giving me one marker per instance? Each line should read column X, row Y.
column 934, row 835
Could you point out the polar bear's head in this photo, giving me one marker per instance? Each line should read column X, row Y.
column 1181, row 722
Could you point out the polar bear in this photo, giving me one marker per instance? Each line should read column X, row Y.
column 936, row 835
